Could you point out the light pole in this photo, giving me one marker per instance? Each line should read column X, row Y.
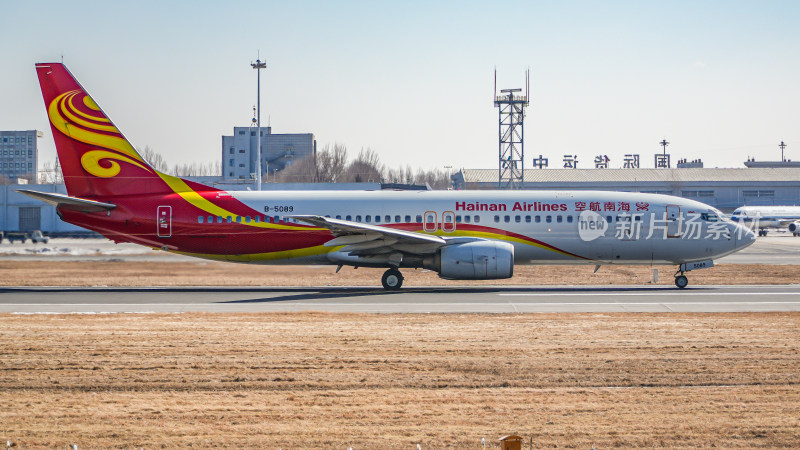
column 258, row 65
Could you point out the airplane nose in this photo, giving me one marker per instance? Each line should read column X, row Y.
column 746, row 236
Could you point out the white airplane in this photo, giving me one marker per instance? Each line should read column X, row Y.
column 762, row 217
column 462, row 235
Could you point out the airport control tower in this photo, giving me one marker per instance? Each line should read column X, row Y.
column 511, row 148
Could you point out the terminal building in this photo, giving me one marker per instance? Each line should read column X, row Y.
column 725, row 189
column 239, row 152
column 19, row 155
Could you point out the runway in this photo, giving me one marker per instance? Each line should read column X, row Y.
column 504, row 299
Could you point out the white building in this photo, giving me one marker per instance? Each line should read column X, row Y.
column 19, row 154
column 277, row 152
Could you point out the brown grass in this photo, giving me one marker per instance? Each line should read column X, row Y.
column 129, row 273
column 391, row 381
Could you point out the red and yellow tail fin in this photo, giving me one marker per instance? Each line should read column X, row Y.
column 95, row 157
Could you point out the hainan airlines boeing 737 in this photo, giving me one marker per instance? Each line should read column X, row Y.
column 462, row 235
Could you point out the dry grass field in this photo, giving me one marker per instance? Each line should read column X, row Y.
column 314, row 380
column 201, row 273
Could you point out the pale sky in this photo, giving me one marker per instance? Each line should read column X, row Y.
column 720, row 80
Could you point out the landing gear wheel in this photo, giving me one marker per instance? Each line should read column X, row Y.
column 392, row 280
column 681, row 281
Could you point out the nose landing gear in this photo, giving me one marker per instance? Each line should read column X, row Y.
column 680, row 280
column 392, row 280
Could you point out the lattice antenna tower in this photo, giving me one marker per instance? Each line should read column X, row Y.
column 511, row 104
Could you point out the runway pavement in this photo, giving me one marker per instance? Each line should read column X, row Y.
column 409, row 300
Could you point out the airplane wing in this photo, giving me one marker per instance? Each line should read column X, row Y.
column 67, row 202
column 361, row 239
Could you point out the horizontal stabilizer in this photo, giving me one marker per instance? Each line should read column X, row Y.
column 67, row 202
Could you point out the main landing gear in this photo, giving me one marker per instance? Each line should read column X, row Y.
column 392, row 280
column 680, row 280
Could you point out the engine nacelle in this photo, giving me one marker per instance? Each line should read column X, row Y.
column 794, row 227
column 481, row 260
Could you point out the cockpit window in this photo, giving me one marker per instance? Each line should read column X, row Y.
column 709, row 217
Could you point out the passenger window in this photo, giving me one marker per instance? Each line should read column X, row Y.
column 257, row 219
column 477, row 219
column 339, row 217
column 548, row 219
column 538, row 219
column 458, row 219
column 496, row 219
column 397, row 219
column 466, row 219
column 247, row 219
column 368, row 219
column 569, row 219
column 507, row 219
column 517, row 219
column 527, row 219
column 349, row 217
column 358, row 218
column 388, row 219
column 419, row 219
column 229, row 219
column 609, row 219
column 219, row 219
column 199, row 219
column 559, row 219
column 377, row 219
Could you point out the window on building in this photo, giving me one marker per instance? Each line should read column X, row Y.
column 230, row 174
column 241, row 150
column 232, row 150
column 241, row 165
column 241, row 132
column 757, row 193
column 697, row 194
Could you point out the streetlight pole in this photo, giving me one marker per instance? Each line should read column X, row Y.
column 258, row 65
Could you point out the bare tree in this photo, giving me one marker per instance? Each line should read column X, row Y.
column 365, row 168
column 331, row 163
column 154, row 158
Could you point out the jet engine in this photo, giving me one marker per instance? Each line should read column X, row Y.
column 794, row 227
column 480, row 260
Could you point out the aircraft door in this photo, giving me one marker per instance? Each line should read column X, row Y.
column 164, row 221
column 674, row 221
column 448, row 221
column 429, row 222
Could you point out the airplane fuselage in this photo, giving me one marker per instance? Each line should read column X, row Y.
column 545, row 227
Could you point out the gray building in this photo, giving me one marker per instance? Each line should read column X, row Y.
column 725, row 189
column 277, row 151
column 19, row 155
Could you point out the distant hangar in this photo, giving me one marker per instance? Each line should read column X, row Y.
column 725, row 189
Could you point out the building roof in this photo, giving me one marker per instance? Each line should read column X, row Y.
column 641, row 175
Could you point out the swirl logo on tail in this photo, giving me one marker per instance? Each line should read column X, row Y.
column 76, row 115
